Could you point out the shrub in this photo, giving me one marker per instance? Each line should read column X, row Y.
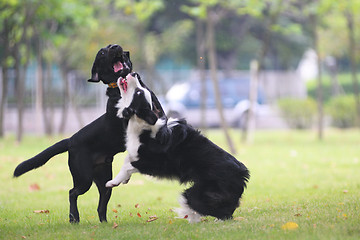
column 342, row 111
column 298, row 113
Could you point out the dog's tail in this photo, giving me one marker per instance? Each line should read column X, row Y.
column 42, row 158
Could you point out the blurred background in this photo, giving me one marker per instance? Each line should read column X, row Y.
column 246, row 64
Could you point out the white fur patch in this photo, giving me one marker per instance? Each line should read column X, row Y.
column 187, row 212
column 172, row 122
column 135, row 127
column 124, row 175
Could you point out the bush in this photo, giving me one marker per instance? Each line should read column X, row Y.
column 298, row 113
column 342, row 111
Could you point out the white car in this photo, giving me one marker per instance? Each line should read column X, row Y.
column 184, row 100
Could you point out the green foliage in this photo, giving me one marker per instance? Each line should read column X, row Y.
column 344, row 81
column 142, row 10
column 342, row 111
column 294, row 178
column 298, row 113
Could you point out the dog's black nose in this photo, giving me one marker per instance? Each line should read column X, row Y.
column 115, row 46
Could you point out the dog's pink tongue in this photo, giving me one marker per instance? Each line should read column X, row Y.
column 118, row 66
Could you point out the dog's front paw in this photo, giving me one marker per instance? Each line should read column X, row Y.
column 111, row 184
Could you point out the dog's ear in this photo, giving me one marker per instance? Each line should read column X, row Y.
column 150, row 117
column 94, row 78
column 94, row 74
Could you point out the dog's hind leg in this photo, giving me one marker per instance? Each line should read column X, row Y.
column 82, row 179
column 186, row 211
column 209, row 199
column 102, row 174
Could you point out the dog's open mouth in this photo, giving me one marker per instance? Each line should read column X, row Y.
column 123, row 84
column 118, row 66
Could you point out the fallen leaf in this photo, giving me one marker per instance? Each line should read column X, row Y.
column 186, row 216
column 136, row 205
column 297, row 215
column 34, row 187
column 115, row 225
column 152, row 218
column 138, row 214
column 23, row 237
column 41, row 211
column 114, row 210
column 290, row 226
column 170, row 221
column 119, row 205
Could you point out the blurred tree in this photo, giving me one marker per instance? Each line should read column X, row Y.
column 212, row 11
column 16, row 17
column 341, row 16
column 350, row 8
column 141, row 13
column 269, row 13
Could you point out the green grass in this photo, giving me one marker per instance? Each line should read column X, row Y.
column 294, row 178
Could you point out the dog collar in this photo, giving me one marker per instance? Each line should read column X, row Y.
column 112, row 85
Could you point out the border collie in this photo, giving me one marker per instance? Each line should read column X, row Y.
column 182, row 153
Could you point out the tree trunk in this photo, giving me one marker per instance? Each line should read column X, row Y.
column 39, row 86
column 250, row 116
column 66, row 98
column 48, row 103
column 313, row 22
column 270, row 21
column 19, row 85
column 352, row 52
column 6, row 49
column 213, row 70
column 4, row 84
column 200, row 49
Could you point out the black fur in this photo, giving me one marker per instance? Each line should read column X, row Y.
column 218, row 179
column 91, row 149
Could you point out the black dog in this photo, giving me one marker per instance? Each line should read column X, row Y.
column 218, row 178
column 91, row 150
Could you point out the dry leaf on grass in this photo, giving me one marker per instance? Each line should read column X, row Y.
column 34, row 187
column 138, row 214
column 114, row 210
column 290, row 226
column 152, row 218
column 137, row 205
column 115, row 225
column 41, row 211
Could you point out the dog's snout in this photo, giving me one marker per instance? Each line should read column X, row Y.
column 115, row 46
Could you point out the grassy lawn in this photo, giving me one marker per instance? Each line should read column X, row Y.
column 299, row 188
